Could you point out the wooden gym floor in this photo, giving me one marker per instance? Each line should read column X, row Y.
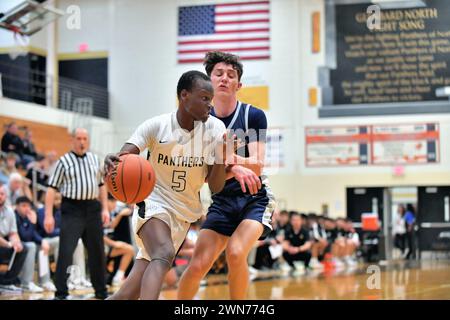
column 427, row 280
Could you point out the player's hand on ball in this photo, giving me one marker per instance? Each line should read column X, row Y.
column 111, row 159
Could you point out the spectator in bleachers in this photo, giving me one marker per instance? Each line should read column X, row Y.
column 17, row 187
column 319, row 241
column 120, row 220
column 10, row 246
column 8, row 167
column 4, row 178
column 37, row 175
column 26, row 219
column 52, row 159
column 297, row 244
column 11, row 141
column 118, row 248
column 53, row 239
column 126, row 253
column 28, row 145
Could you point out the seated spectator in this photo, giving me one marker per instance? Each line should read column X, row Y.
column 28, row 145
column 283, row 225
column 52, row 159
column 76, row 282
column 352, row 243
column 10, row 246
column 120, row 220
column 118, row 248
column 345, row 243
column 4, row 178
column 8, row 167
column 26, row 219
column 264, row 259
column 11, row 141
column 38, row 176
column 17, row 187
column 339, row 245
column 319, row 241
column 331, row 231
column 126, row 253
column 297, row 244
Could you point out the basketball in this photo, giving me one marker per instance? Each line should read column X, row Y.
column 132, row 179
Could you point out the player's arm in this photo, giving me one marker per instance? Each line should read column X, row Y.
column 111, row 158
column 255, row 162
column 216, row 177
column 216, row 173
column 247, row 170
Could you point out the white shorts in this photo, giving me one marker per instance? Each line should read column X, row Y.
column 178, row 228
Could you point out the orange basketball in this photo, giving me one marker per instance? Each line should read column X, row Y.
column 132, row 179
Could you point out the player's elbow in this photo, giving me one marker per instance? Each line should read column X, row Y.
column 216, row 186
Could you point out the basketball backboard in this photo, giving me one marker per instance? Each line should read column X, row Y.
column 29, row 17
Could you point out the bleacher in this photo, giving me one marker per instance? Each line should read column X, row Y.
column 46, row 137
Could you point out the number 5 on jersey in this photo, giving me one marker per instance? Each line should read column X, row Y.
column 179, row 181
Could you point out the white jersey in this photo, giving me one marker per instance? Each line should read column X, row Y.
column 180, row 160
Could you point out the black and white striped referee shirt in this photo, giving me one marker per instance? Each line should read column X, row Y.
column 77, row 177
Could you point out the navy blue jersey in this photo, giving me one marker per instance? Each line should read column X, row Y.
column 250, row 125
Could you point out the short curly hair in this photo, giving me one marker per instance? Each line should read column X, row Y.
column 214, row 57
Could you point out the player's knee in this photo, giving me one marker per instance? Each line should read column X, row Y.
column 165, row 253
column 235, row 254
column 197, row 268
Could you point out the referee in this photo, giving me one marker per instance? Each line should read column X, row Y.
column 79, row 179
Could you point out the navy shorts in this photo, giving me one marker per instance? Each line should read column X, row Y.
column 227, row 212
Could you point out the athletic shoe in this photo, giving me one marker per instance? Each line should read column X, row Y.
column 315, row 264
column 351, row 262
column 10, row 289
column 338, row 264
column 49, row 286
column 31, row 287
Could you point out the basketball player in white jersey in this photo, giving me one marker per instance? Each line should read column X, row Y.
column 162, row 221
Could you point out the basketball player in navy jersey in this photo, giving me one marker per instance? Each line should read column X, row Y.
column 241, row 213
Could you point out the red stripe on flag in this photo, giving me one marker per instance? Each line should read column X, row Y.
column 242, row 21
column 222, row 41
column 243, row 31
column 240, row 12
column 223, row 49
column 242, row 58
column 240, row 3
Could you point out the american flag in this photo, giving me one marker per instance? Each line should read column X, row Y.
column 241, row 28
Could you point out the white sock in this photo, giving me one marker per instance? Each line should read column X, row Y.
column 119, row 275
